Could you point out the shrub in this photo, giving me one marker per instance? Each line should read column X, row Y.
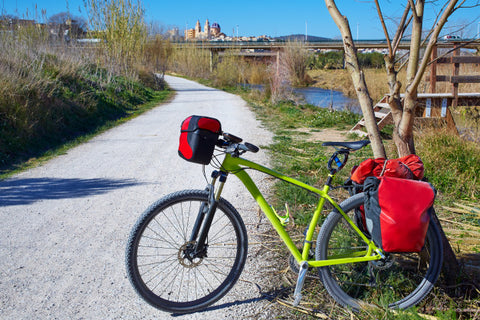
column 451, row 163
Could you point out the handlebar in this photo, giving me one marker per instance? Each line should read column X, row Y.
column 233, row 145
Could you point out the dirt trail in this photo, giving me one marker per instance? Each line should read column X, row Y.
column 64, row 225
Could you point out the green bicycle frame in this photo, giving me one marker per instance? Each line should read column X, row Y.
column 237, row 166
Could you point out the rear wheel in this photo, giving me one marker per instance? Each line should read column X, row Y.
column 400, row 281
column 159, row 259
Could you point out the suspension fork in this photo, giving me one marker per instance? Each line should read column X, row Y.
column 206, row 214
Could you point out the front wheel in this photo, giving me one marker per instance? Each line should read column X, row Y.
column 162, row 269
column 400, row 281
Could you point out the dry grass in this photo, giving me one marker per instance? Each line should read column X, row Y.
column 465, row 69
column 340, row 80
column 377, row 80
column 190, row 61
column 52, row 91
column 230, row 69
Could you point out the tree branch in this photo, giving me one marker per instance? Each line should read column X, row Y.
column 433, row 40
column 402, row 26
column 413, row 7
column 415, row 41
column 380, row 16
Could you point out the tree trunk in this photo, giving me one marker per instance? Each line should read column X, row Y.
column 403, row 132
column 353, row 66
column 403, row 112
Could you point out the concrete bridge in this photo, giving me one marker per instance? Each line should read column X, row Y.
column 273, row 46
column 269, row 50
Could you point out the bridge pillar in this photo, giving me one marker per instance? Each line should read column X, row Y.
column 213, row 53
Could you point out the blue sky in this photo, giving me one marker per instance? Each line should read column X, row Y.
column 262, row 17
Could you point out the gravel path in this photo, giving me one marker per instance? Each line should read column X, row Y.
column 64, row 225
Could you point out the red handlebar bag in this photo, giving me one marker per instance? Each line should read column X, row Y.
column 198, row 135
column 397, row 212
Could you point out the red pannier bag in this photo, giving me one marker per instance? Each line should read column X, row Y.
column 408, row 167
column 397, row 212
column 198, row 135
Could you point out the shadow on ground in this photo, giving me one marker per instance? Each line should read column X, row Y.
column 26, row 191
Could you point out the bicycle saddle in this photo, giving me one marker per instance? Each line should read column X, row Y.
column 354, row 145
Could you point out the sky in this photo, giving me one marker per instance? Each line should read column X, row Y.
column 263, row 17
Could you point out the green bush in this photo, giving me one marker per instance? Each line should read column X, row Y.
column 451, row 163
column 334, row 60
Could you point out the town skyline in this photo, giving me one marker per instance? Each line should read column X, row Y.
column 269, row 18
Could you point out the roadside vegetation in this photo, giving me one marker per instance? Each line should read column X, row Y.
column 451, row 163
column 54, row 91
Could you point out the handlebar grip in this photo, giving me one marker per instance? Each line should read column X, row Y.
column 232, row 138
column 251, row 147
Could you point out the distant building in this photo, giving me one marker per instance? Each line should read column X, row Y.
column 173, row 34
column 189, row 34
column 208, row 32
column 215, row 30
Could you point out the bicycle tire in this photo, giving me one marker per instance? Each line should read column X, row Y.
column 166, row 279
column 401, row 281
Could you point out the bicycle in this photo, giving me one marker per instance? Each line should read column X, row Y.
column 188, row 249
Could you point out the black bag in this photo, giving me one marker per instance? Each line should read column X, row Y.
column 397, row 212
column 198, row 136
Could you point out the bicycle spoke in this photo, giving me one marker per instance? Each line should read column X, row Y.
column 167, row 271
column 399, row 280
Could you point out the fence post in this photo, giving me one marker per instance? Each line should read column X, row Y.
column 433, row 70
column 456, row 71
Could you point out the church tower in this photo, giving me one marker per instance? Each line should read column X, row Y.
column 198, row 29
column 206, row 29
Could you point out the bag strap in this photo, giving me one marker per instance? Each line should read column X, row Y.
column 384, row 167
column 409, row 170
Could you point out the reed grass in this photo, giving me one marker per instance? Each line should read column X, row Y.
column 190, row 61
column 52, row 92
column 123, row 30
column 230, row 69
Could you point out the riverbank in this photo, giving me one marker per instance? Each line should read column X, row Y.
column 340, row 80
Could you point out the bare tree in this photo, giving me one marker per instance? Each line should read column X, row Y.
column 62, row 21
column 403, row 110
column 358, row 78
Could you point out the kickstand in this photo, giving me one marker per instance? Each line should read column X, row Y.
column 302, row 272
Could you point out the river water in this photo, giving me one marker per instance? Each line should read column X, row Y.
column 323, row 98
column 328, row 99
